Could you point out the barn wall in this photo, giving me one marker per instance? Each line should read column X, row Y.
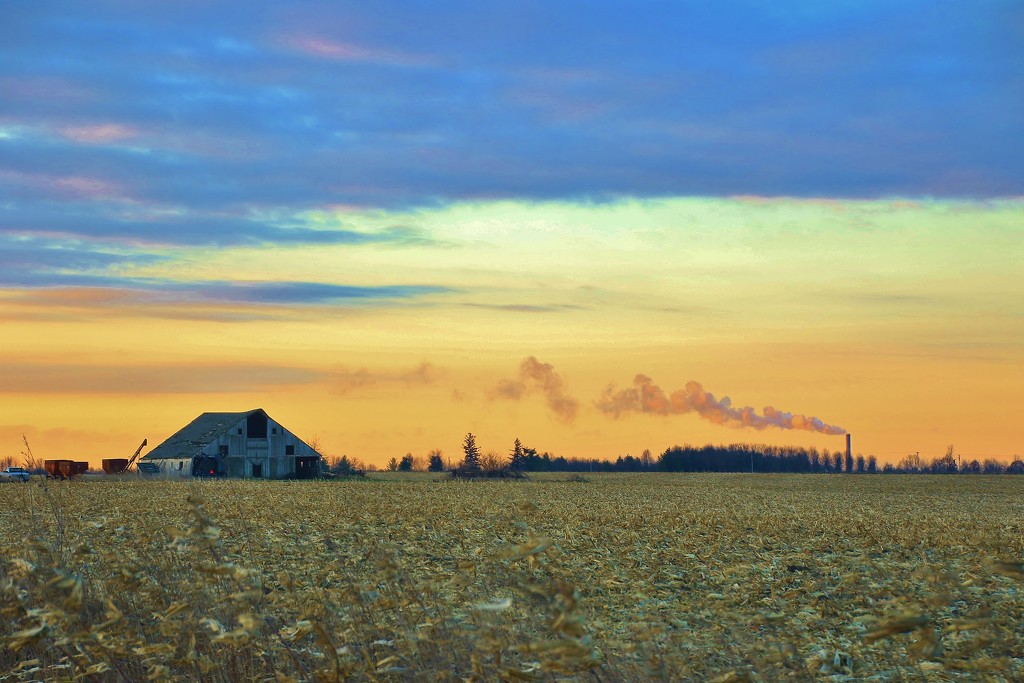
column 175, row 468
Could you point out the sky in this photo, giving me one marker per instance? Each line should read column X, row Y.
column 599, row 227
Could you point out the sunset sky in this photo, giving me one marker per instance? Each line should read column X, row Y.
column 392, row 223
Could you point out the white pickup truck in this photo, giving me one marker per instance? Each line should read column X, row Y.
column 14, row 473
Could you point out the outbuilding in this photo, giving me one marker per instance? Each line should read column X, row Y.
column 244, row 445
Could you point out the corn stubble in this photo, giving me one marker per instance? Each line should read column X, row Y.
column 625, row 577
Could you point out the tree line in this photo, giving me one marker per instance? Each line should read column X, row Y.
column 741, row 457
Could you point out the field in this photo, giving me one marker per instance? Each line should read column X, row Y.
column 614, row 577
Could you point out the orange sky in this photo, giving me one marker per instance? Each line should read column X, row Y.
column 899, row 321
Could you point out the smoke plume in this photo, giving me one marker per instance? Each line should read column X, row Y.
column 646, row 397
column 537, row 376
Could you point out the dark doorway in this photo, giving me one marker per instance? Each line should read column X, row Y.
column 205, row 467
column 256, row 425
column 307, row 467
column 257, row 469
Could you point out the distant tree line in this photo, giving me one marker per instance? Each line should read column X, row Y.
column 739, row 457
column 745, row 457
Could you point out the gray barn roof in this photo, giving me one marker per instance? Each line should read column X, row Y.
column 190, row 440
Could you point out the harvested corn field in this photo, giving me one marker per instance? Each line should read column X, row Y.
column 617, row 577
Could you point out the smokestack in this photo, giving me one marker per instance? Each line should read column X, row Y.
column 849, row 453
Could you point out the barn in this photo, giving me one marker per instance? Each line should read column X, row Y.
column 246, row 445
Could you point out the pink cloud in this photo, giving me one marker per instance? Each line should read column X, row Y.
column 89, row 188
column 83, row 187
column 349, row 52
column 98, row 134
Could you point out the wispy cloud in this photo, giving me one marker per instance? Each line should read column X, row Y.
column 345, row 380
column 98, row 134
column 342, row 51
column 269, row 293
column 71, row 378
column 526, row 308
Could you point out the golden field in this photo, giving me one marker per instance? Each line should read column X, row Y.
column 614, row 577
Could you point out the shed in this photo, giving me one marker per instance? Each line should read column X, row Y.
column 245, row 445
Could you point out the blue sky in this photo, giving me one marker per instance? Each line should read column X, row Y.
column 219, row 124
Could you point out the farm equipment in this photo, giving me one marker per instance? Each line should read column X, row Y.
column 121, row 465
column 64, row 469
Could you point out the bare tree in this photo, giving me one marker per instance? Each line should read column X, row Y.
column 491, row 461
column 647, row 460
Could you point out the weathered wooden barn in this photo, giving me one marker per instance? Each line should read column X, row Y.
column 247, row 445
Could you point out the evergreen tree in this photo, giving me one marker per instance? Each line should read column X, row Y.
column 517, row 456
column 436, row 462
column 472, row 451
column 406, row 464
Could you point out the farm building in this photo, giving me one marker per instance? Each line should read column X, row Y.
column 248, row 444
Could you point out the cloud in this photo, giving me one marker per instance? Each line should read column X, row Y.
column 156, row 290
column 76, row 208
column 341, row 51
column 75, row 378
column 203, row 112
column 535, row 376
column 526, row 308
column 100, row 133
column 344, row 381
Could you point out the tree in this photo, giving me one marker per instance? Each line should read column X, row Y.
column 872, row 464
column 517, row 457
column 436, row 461
column 861, row 464
column 314, row 443
column 491, row 461
column 814, row 459
column 992, row 466
column 911, row 464
column 647, row 460
column 947, row 463
column 341, row 466
column 471, row 461
column 406, row 464
column 393, row 465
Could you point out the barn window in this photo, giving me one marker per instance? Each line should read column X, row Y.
column 273, row 430
column 180, row 464
column 289, row 449
column 222, row 450
column 239, row 430
column 257, row 425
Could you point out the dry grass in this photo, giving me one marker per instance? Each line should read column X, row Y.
column 621, row 577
